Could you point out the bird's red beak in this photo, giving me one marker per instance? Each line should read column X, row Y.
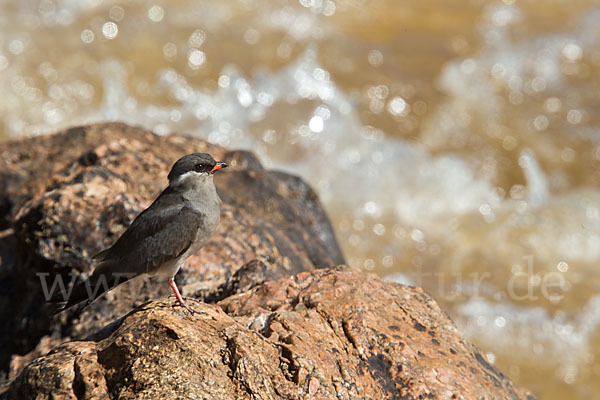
column 218, row 166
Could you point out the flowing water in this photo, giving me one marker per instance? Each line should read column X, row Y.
column 455, row 143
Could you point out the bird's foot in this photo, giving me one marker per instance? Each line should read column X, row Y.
column 182, row 300
column 190, row 308
column 185, row 298
column 184, row 303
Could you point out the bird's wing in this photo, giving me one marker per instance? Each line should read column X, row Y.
column 176, row 234
column 164, row 231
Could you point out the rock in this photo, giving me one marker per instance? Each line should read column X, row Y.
column 324, row 334
column 17, row 363
column 64, row 197
column 250, row 275
column 273, row 325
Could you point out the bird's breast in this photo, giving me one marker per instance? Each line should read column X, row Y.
column 210, row 218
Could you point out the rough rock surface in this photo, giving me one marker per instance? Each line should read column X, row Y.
column 325, row 334
column 64, row 197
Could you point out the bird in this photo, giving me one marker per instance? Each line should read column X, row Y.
column 181, row 219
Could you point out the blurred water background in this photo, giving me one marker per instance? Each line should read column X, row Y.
column 455, row 143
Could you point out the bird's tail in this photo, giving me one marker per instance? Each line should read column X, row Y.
column 101, row 281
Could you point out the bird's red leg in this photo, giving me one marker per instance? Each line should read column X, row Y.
column 182, row 303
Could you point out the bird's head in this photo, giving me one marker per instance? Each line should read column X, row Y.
column 194, row 166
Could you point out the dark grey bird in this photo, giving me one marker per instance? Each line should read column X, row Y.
column 176, row 225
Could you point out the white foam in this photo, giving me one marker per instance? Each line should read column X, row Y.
column 507, row 329
column 537, row 185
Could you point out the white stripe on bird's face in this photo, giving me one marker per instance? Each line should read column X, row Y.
column 190, row 178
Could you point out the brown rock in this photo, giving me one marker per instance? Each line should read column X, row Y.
column 64, row 197
column 326, row 334
column 17, row 363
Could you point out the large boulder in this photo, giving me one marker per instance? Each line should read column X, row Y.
column 64, row 197
column 326, row 334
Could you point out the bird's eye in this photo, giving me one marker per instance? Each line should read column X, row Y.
column 199, row 167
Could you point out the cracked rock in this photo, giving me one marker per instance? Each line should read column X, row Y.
column 358, row 341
